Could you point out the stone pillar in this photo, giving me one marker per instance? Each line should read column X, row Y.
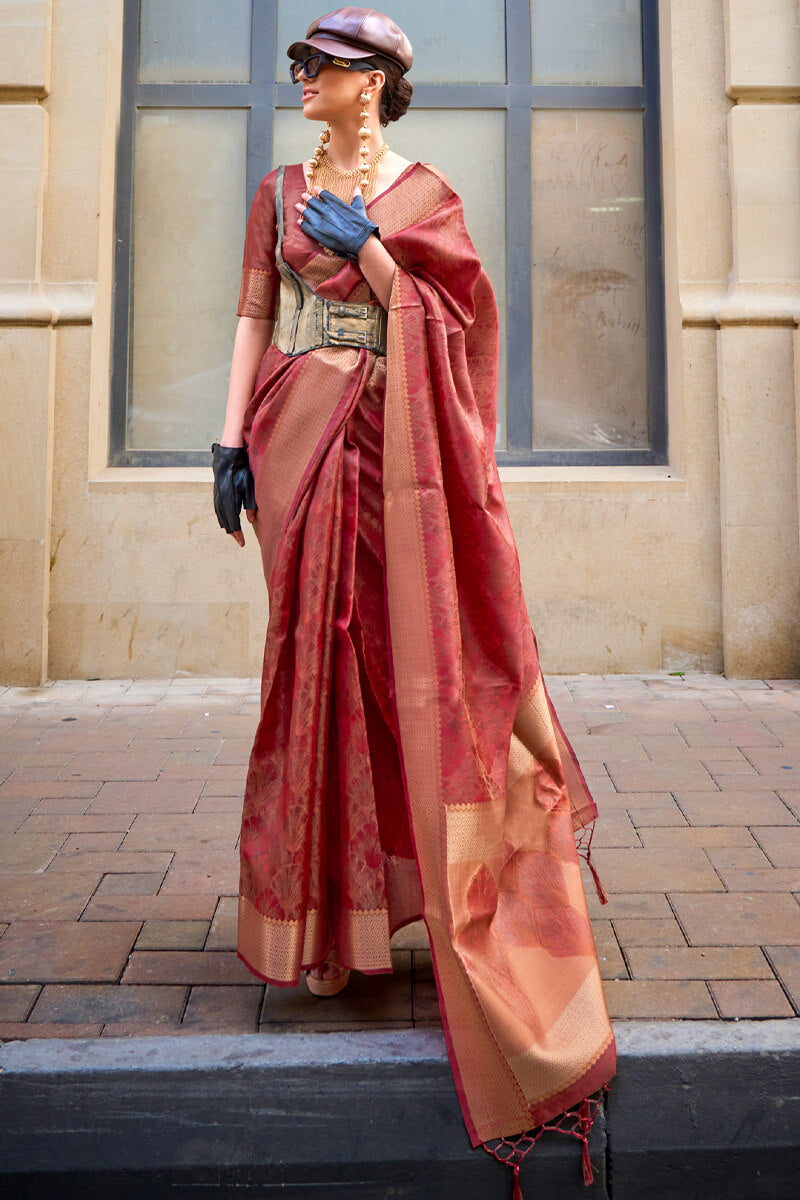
column 757, row 380
column 26, row 351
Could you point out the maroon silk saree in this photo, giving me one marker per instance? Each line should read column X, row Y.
column 409, row 761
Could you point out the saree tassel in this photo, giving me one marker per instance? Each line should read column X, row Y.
column 576, row 1121
column 583, row 842
column 511, row 1153
column 588, row 1174
column 585, row 853
column 601, row 894
column 585, row 1121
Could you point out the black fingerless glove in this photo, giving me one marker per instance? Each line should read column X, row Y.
column 234, row 485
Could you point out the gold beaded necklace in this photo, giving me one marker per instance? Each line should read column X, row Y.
column 326, row 174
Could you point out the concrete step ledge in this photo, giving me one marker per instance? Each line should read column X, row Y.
column 697, row 1109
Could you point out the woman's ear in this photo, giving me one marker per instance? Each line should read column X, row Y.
column 376, row 80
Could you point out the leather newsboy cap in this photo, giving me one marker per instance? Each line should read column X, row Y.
column 356, row 33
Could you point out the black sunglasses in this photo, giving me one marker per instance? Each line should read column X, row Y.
column 311, row 66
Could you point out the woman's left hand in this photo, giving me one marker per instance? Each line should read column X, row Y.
column 342, row 227
column 234, row 488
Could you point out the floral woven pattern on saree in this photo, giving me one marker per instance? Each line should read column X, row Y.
column 443, row 711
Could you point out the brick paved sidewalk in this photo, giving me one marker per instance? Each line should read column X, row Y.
column 119, row 817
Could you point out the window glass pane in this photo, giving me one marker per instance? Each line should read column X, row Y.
column 454, row 41
column 589, row 318
column 188, row 237
column 470, row 148
column 197, row 41
column 586, row 41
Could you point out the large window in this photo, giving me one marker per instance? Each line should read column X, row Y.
column 544, row 115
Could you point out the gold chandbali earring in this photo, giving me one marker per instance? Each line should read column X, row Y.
column 326, row 175
column 367, row 178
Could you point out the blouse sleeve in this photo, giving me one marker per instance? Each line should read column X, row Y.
column 260, row 276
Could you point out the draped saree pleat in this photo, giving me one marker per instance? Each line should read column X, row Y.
column 409, row 761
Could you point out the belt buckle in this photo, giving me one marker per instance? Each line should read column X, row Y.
column 342, row 309
column 354, row 335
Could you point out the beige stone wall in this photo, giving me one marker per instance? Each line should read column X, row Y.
column 695, row 565
column 758, row 317
column 26, row 342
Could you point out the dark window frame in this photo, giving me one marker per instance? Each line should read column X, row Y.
column 518, row 97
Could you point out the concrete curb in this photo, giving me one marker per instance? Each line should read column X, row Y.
column 696, row 1108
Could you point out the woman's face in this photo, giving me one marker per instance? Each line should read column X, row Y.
column 334, row 93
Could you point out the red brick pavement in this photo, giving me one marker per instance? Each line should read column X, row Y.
column 120, row 804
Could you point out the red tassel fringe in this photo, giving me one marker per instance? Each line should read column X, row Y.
column 588, row 1175
column 512, row 1151
column 601, row 894
column 576, row 1121
column 586, row 853
column 586, row 1124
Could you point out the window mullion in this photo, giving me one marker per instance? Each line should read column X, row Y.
column 123, row 250
column 519, row 411
column 518, row 41
column 654, row 260
column 262, row 104
column 518, row 266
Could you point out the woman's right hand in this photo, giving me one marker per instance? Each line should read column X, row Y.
column 234, row 488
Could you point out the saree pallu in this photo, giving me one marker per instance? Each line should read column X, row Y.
column 409, row 761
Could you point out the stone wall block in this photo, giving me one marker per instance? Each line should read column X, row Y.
column 763, row 46
column 758, row 463
column 22, row 144
column 765, row 181
column 24, row 57
column 25, row 371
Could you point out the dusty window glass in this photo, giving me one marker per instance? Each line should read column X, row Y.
column 197, row 41
column 586, row 41
column 187, row 255
column 586, row 373
column 589, row 302
column 454, row 41
column 469, row 147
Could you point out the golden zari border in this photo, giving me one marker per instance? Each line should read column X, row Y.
column 271, row 947
column 497, row 1102
column 257, row 294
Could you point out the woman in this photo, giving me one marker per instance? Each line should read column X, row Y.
column 408, row 762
